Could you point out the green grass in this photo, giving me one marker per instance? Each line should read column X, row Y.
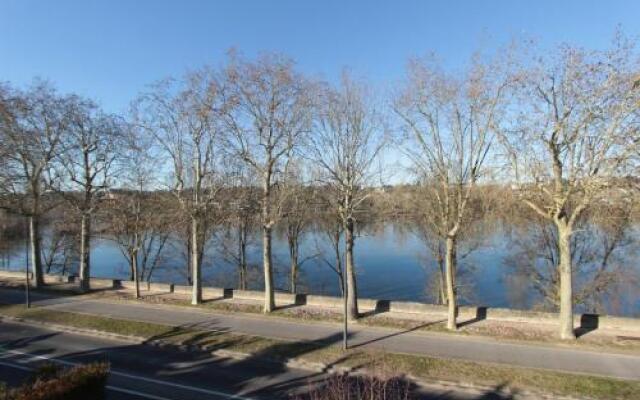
column 110, row 325
column 230, row 307
column 426, row 368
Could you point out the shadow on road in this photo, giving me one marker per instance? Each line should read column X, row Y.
column 264, row 373
column 26, row 341
column 415, row 328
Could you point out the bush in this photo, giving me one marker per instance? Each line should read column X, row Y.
column 51, row 382
column 46, row 371
column 356, row 387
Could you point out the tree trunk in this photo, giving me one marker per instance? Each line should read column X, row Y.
column 85, row 252
column 345, row 315
column 293, row 254
column 35, row 250
column 134, row 268
column 450, row 260
column 242, row 284
column 269, row 297
column 242, row 250
column 196, row 264
column 566, row 286
column 339, row 268
column 442, row 282
column 352, row 292
column 189, row 252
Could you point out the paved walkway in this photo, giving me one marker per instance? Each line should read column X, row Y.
column 550, row 357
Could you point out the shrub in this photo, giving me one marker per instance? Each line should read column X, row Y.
column 50, row 382
column 356, row 387
column 45, row 372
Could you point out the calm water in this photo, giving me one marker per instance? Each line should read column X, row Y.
column 392, row 263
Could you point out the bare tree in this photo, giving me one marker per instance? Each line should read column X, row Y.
column 574, row 131
column 450, row 124
column 60, row 250
column 347, row 141
column 332, row 229
column 602, row 247
column 295, row 199
column 235, row 242
column 271, row 116
column 85, row 169
column 480, row 222
column 134, row 214
column 242, row 202
column 6, row 120
column 184, row 117
column 32, row 125
column 437, row 249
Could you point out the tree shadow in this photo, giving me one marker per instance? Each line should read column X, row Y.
column 224, row 296
column 196, row 330
column 497, row 393
column 25, row 341
column 98, row 290
column 13, row 348
column 278, row 355
column 398, row 333
column 264, row 373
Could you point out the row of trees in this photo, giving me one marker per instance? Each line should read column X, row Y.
column 560, row 130
column 265, row 120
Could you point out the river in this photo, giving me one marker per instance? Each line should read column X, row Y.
column 393, row 263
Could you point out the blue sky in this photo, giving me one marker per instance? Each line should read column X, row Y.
column 109, row 50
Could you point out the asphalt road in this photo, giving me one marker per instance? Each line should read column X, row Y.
column 556, row 358
column 144, row 372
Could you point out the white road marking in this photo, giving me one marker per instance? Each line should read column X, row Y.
column 141, row 378
column 136, row 393
column 20, row 367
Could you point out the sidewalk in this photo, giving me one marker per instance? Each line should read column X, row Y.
column 393, row 340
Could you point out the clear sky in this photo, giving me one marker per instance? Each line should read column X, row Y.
column 110, row 50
